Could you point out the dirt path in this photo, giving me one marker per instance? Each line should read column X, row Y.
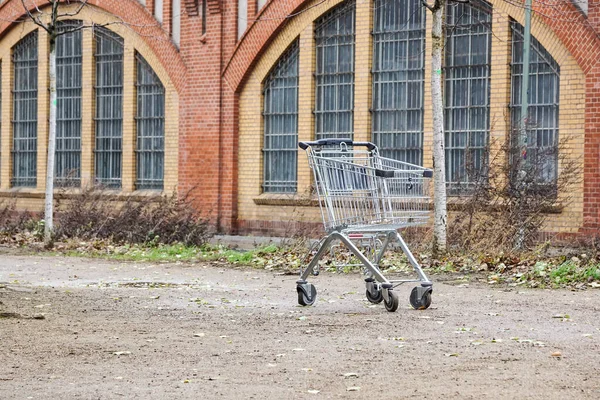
column 132, row 330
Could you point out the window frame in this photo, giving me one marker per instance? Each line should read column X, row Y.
column 467, row 119
column 67, row 169
column 542, row 64
column 339, row 80
column 394, row 111
column 108, row 148
column 280, row 150
column 24, row 130
column 150, row 118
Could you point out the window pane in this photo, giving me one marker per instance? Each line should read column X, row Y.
column 109, row 107
column 150, row 127
column 542, row 123
column 334, row 34
column 280, row 148
column 467, row 93
column 67, row 171
column 398, row 73
column 25, row 64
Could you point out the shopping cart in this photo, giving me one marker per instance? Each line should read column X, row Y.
column 364, row 200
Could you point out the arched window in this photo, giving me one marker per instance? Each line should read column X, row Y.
column 109, row 107
column 398, row 74
column 68, row 109
column 467, row 93
column 281, row 124
column 150, row 122
column 542, row 121
column 334, row 35
column 25, row 87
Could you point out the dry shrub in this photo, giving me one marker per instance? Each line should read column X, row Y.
column 506, row 206
column 13, row 221
column 98, row 214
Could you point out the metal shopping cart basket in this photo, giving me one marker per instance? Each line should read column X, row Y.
column 367, row 198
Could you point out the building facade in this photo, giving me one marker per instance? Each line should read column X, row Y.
column 210, row 97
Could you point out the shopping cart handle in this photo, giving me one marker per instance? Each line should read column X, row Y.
column 334, row 142
column 390, row 173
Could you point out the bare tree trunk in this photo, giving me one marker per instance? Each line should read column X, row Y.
column 48, row 205
column 439, row 156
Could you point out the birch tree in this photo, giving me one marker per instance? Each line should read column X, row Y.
column 440, row 214
column 49, row 19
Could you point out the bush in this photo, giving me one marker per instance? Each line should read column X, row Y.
column 12, row 221
column 507, row 203
column 96, row 214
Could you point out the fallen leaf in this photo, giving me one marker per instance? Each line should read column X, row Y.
column 556, row 354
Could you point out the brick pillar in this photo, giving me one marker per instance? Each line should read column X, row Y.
column 427, row 108
column 594, row 13
column 150, row 6
column 129, row 111
column 252, row 10
column 500, row 126
column 306, row 101
column 167, row 15
column 43, row 108
column 87, row 110
column 362, row 72
column 5, row 117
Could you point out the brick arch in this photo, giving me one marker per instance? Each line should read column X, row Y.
column 132, row 13
column 583, row 41
column 271, row 19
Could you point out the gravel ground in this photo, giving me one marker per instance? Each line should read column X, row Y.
column 92, row 329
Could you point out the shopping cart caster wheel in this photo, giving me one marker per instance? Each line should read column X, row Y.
column 307, row 294
column 420, row 298
column 391, row 304
column 375, row 298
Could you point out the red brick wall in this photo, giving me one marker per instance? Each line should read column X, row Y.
column 594, row 13
column 132, row 12
column 582, row 41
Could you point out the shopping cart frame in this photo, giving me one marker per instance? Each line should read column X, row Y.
column 384, row 195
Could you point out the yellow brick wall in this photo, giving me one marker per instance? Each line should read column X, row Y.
column 132, row 43
column 572, row 100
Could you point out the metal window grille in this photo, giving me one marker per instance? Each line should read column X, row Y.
column 542, row 121
column 334, row 35
column 281, row 124
column 67, row 170
column 109, row 107
column 467, row 94
column 398, row 76
column 24, row 152
column 150, row 122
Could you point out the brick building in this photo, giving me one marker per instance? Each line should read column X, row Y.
column 211, row 96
